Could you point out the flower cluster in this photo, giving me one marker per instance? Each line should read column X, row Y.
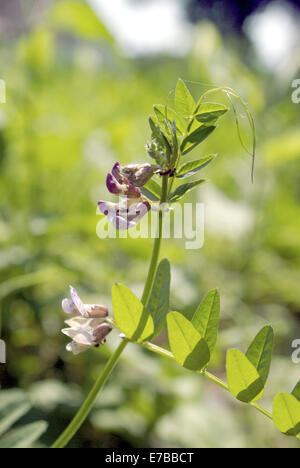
column 87, row 326
column 127, row 182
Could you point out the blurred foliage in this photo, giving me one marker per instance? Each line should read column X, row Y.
column 74, row 106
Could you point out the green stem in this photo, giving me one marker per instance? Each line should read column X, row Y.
column 157, row 245
column 206, row 374
column 81, row 415
column 86, row 407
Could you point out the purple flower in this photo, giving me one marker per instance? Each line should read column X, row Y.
column 126, row 182
column 121, row 189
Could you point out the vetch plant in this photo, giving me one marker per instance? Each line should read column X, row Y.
column 176, row 131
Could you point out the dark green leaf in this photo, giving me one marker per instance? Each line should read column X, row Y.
column 180, row 191
column 151, row 190
column 196, row 137
column 184, row 102
column 260, row 352
column 188, row 346
column 190, row 168
column 243, row 379
column 158, row 305
column 296, row 391
column 206, row 318
column 210, row 111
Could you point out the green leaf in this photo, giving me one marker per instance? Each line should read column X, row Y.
column 129, row 316
column 180, row 191
column 184, row 102
column 165, row 112
column 175, row 144
column 188, row 346
column 260, row 352
column 158, row 304
column 210, row 111
column 296, row 391
column 286, row 414
column 190, row 168
column 151, row 190
column 206, row 318
column 156, row 132
column 24, row 436
column 196, row 137
column 13, row 405
column 243, row 379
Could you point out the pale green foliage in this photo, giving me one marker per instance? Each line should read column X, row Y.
column 129, row 316
column 14, row 404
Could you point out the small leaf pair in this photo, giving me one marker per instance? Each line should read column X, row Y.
column 201, row 118
column 188, row 170
column 192, row 341
column 247, row 374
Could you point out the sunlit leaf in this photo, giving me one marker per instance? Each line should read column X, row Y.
column 206, row 318
column 188, row 346
column 184, row 102
column 210, row 111
column 243, row 379
column 286, row 414
column 165, row 112
column 158, row 305
column 180, row 191
column 129, row 316
column 192, row 167
column 260, row 350
column 196, row 137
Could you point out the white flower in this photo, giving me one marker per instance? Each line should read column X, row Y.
column 87, row 327
column 75, row 306
column 125, row 214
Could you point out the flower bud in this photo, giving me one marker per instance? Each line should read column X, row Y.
column 101, row 332
column 155, row 153
column 139, row 174
column 95, row 310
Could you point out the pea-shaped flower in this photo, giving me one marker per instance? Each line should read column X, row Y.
column 87, row 327
column 126, row 182
column 134, row 174
column 125, row 214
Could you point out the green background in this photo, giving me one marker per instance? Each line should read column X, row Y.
column 75, row 105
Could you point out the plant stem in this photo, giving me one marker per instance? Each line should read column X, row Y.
column 86, row 407
column 157, row 245
column 81, row 415
column 206, row 374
